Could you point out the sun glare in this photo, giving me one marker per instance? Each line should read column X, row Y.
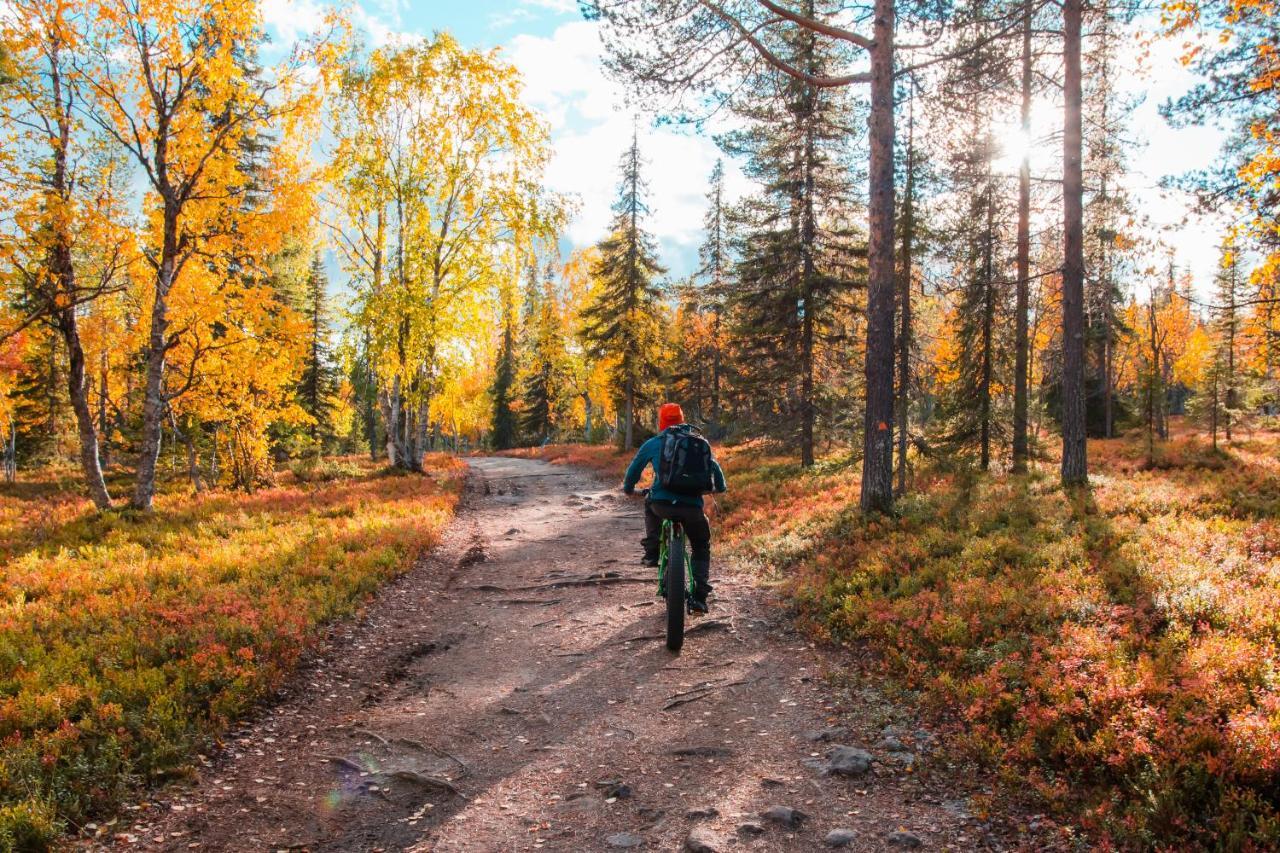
column 1015, row 144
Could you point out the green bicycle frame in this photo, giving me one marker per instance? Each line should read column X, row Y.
column 663, row 556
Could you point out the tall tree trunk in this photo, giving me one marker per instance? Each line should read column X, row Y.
column 153, row 401
column 1022, row 300
column 904, row 292
column 988, row 320
column 1108, row 330
column 630, row 415
column 1075, row 466
column 1213, row 412
column 807, row 236
column 214, row 472
column 78, row 391
column 877, row 459
column 715, row 366
column 11, row 454
column 1231, row 398
column 103, row 425
column 193, row 460
column 64, row 274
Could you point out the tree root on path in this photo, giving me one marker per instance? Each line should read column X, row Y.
column 589, row 580
column 687, row 696
column 545, row 602
column 413, row 777
column 699, row 628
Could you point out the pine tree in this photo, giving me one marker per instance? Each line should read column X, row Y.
column 623, row 323
column 1230, row 285
column 318, row 385
column 504, row 377
column 715, row 270
column 546, row 386
column 798, row 260
column 1106, row 210
column 970, row 406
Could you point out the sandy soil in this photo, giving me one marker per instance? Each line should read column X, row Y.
column 513, row 693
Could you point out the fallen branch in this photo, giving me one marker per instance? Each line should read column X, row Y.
column 589, row 580
column 533, row 601
column 434, row 750
column 702, row 751
column 413, row 777
column 685, row 700
column 366, row 733
column 342, row 762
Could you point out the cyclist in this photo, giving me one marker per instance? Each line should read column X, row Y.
column 662, row 504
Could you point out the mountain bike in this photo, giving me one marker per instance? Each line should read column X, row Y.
column 675, row 579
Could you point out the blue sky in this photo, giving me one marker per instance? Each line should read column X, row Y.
column 559, row 55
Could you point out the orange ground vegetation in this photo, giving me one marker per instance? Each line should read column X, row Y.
column 1116, row 650
column 128, row 642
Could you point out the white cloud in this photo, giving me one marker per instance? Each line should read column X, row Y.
column 591, row 128
column 291, row 20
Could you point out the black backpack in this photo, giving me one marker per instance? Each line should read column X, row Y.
column 685, row 464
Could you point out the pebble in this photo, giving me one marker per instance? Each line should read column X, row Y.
column 702, row 814
column 785, row 816
column 624, row 839
column 699, row 843
column 848, row 761
column 750, row 829
column 840, row 838
column 904, row 839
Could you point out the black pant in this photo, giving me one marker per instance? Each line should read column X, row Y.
column 696, row 528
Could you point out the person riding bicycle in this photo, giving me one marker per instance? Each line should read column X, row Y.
column 662, row 504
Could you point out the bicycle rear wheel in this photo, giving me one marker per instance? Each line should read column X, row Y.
column 675, row 589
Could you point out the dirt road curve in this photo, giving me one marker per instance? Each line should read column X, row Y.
column 520, row 666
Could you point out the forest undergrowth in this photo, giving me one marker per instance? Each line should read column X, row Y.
column 1112, row 650
column 129, row 641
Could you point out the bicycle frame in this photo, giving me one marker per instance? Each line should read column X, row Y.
column 673, row 531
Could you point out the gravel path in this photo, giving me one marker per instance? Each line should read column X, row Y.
column 512, row 693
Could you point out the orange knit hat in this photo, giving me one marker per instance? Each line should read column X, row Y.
column 669, row 415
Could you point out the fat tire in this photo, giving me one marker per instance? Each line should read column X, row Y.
column 675, row 592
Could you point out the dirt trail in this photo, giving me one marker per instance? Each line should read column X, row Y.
column 511, row 693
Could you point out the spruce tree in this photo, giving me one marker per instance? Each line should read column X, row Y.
column 1107, row 208
column 318, row 386
column 1230, row 294
column 972, row 407
column 790, row 303
column 546, row 385
column 504, row 377
column 624, row 321
column 715, row 271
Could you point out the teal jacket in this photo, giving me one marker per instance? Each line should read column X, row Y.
column 649, row 454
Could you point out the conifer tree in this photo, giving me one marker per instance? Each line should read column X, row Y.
column 1230, row 294
column 318, row 386
column 798, row 259
column 715, row 271
column 504, row 377
column 546, row 386
column 623, row 323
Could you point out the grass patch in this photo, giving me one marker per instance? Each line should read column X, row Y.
column 127, row 642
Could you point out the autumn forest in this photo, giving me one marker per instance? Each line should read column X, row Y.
column 267, row 295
